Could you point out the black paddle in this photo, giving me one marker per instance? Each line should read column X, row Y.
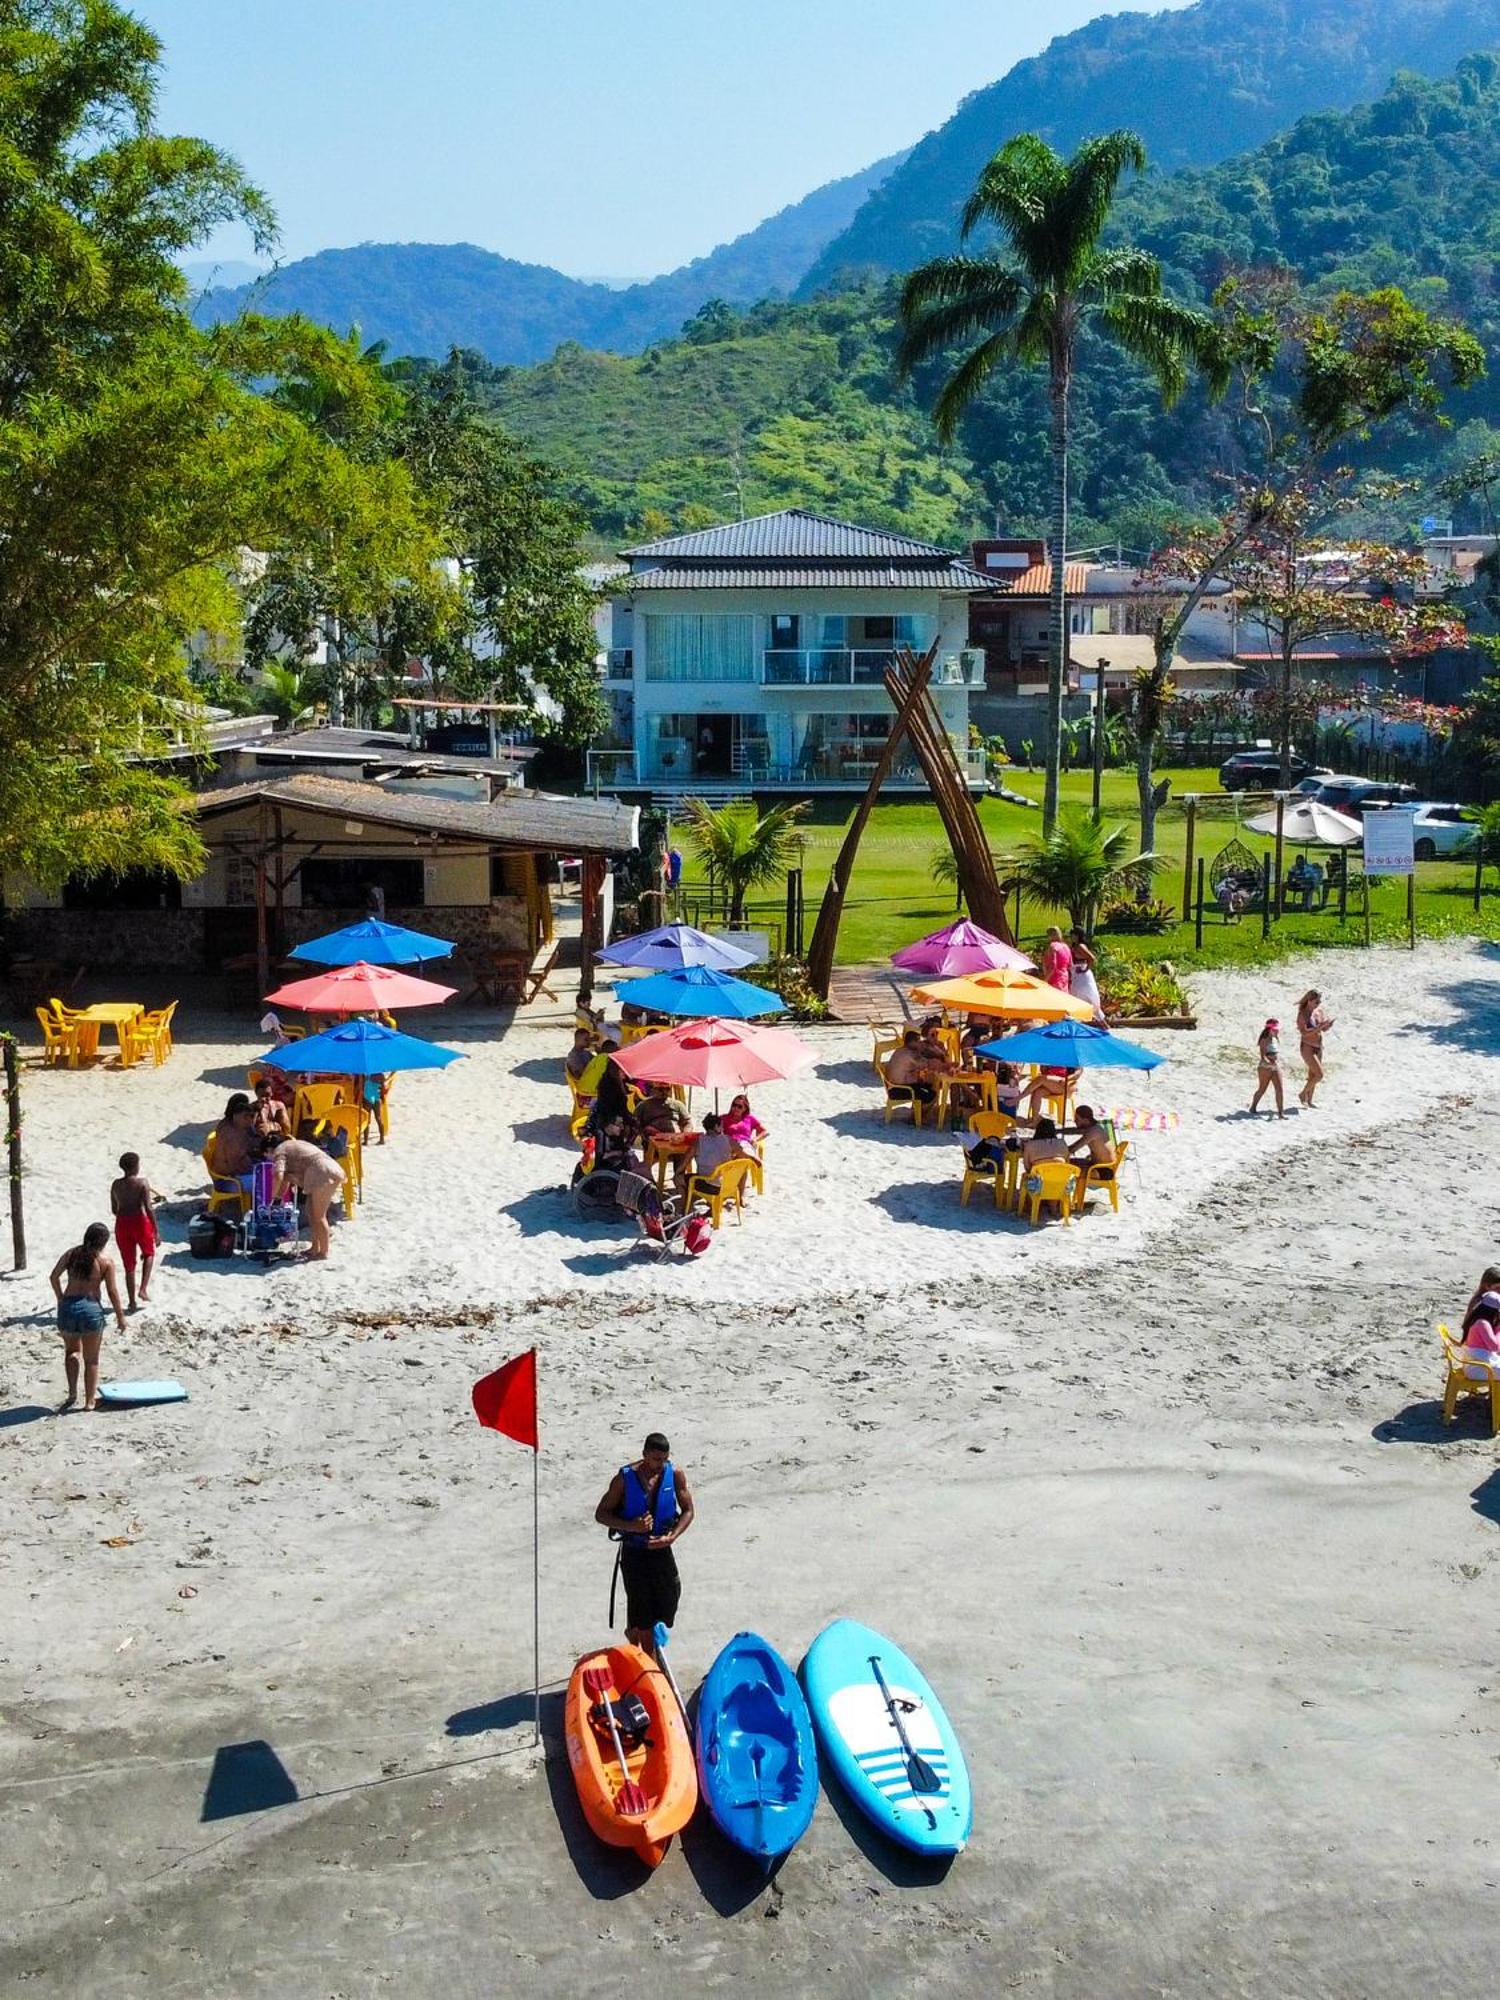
column 919, row 1773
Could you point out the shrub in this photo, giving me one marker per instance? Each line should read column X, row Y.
column 1144, row 919
column 788, row 977
column 1137, row 986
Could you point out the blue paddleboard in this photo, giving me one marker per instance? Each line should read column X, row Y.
column 843, row 1674
column 122, row 1393
column 757, row 1760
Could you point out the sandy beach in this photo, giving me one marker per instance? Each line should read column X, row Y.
column 1161, row 1502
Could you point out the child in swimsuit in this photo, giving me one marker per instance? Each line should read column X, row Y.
column 131, row 1201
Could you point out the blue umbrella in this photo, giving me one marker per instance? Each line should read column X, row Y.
column 359, row 1048
column 373, row 943
column 698, row 990
column 1071, row 1045
column 675, row 946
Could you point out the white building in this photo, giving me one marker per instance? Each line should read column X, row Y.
column 755, row 653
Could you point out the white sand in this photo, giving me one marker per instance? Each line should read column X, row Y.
column 1214, row 1616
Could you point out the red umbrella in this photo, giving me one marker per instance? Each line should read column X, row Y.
column 360, row 989
column 715, row 1055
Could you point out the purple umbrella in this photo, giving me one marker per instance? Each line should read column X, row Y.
column 674, row 946
column 958, row 950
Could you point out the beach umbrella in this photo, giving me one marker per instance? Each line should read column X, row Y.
column 960, row 948
column 358, row 1048
column 360, row 989
column 700, row 990
column 372, row 942
column 674, row 946
column 1071, row 1045
column 1009, row 995
column 1310, row 824
column 714, row 1055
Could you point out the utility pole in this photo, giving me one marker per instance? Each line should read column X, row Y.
column 1099, row 739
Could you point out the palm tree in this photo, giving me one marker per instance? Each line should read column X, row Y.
column 745, row 848
column 1075, row 866
column 1033, row 304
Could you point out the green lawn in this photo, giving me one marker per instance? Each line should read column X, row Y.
column 893, row 898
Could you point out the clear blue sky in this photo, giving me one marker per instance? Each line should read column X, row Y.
column 603, row 137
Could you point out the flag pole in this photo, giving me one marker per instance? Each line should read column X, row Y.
column 536, row 1594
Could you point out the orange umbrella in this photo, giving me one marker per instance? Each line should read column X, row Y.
column 1015, row 996
column 360, row 989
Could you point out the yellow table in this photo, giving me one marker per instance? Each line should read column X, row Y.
column 980, row 1080
column 116, row 1014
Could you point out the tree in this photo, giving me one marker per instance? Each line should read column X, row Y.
column 137, row 456
column 746, row 849
column 1346, row 367
column 1487, row 836
column 1033, row 305
column 1075, row 866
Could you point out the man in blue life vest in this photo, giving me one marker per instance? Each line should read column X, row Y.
column 649, row 1507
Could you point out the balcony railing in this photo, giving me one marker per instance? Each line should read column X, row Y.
column 855, row 666
column 847, row 762
column 619, row 664
column 611, row 771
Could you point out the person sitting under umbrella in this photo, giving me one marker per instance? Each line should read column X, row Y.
column 1045, row 1143
column 1094, row 1146
column 912, row 1067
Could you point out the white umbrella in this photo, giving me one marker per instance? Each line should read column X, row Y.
column 1309, row 824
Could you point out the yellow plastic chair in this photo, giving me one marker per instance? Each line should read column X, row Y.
column 1469, row 1374
column 147, row 1035
column 726, row 1184
column 886, row 1042
column 227, row 1194
column 755, row 1159
column 348, row 1119
column 1048, row 1180
column 986, row 1125
column 900, row 1096
column 57, row 1037
column 578, row 1117
column 83, row 1040
column 314, row 1100
column 1096, row 1175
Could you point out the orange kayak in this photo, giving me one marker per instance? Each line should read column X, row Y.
column 662, row 1791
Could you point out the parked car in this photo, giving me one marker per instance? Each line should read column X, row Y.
column 1258, row 771
column 1357, row 796
column 1313, row 783
column 1442, row 829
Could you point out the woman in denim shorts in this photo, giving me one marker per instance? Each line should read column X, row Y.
column 79, row 1279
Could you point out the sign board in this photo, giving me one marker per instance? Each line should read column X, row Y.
column 1388, row 843
column 1432, row 525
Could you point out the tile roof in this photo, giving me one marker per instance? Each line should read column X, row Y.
column 1037, row 581
column 530, row 820
column 930, row 575
column 794, row 533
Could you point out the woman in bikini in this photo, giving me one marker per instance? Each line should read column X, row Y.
column 1268, row 1076
column 79, row 1276
column 1312, row 1025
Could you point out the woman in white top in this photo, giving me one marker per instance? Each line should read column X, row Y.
column 1081, row 981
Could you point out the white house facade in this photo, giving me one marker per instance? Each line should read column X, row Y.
column 754, row 655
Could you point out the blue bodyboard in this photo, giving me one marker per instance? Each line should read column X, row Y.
column 123, row 1393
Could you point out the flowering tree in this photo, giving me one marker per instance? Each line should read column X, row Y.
column 1350, row 364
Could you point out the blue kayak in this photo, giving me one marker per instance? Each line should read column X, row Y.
column 757, row 1760
column 865, row 1695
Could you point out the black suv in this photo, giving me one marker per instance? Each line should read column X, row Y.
column 1258, row 771
column 1357, row 796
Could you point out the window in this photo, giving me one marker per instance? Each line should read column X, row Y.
column 345, row 885
column 136, row 889
column 695, row 648
column 879, row 631
column 784, row 628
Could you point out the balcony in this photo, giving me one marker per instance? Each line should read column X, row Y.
column 854, row 666
column 619, row 664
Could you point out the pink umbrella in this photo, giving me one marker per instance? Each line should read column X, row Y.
column 961, row 948
column 360, row 989
column 715, row 1055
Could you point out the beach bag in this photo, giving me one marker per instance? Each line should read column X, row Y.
column 697, row 1235
column 262, row 1183
column 211, row 1236
column 269, row 1227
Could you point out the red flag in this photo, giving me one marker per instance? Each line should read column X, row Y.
column 506, row 1400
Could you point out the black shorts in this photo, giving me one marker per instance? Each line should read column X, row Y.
column 653, row 1588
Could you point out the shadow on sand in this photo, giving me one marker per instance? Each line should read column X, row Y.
column 1485, row 1499
column 899, row 1865
column 934, row 1205
column 1422, row 1423
column 551, row 1131
column 869, row 1123
column 24, row 1413
column 246, row 1778
column 606, row 1872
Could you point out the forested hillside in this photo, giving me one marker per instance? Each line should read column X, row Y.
column 795, row 404
column 1199, row 85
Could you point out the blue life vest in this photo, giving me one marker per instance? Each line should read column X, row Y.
column 663, row 1511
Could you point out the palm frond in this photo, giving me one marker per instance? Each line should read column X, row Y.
column 1082, row 206
column 1164, row 335
column 1015, row 188
column 966, row 381
column 953, row 300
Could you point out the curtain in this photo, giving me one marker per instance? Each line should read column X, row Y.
column 700, row 648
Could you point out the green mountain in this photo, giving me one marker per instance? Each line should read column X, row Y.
column 423, row 298
column 796, row 404
column 1200, row 85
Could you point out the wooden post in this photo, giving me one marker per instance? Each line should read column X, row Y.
column 1098, row 744
column 262, row 933
column 1187, row 866
column 1015, row 929
column 1478, row 870
column 591, row 887
column 1411, row 911
column 1344, row 888
column 1280, row 829
column 13, row 1153
column 1367, row 907
column 1198, row 923
column 1265, row 896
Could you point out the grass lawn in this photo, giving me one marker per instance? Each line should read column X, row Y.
column 894, row 899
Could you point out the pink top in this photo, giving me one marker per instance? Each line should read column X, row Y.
column 743, row 1130
column 1483, row 1335
column 1057, row 964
